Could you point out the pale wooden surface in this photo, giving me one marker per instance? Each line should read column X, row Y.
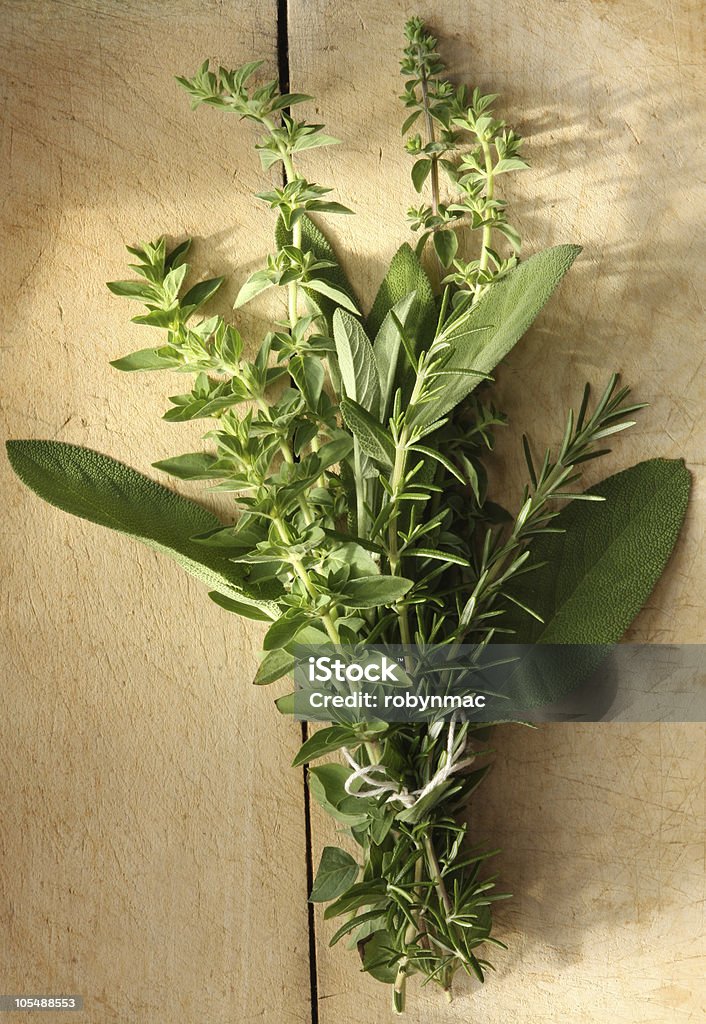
column 152, row 842
column 152, row 855
column 602, row 827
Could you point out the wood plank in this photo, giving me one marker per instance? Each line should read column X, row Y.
column 603, row 834
column 153, row 853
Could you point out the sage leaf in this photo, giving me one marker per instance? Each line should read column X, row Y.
column 406, row 275
column 359, row 376
column 484, row 335
column 100, row 489
column 356, row 361
column 601, row 569
column 386, row 348
column 374, row 591
column 370, row 435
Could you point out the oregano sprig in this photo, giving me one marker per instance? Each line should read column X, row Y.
column 473, row 148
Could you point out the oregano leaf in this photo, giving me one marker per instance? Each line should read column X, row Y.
column 323, row 741
column 315, row 242
column 148, row 359
column 336, row 873
column 446, row 246
column 192, row 466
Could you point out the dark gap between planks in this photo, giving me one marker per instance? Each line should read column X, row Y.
column 283, row 81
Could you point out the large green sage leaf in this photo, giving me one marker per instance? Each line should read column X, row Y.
column 600, row 571
column 484, row 336
column 374, row 591
column 372, row 437
column 356, row 361
column 596, row 576
column 386, row 347
column 359, row 375
column 104, row 491
column 406, row 275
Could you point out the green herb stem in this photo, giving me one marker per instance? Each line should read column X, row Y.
column 300, row 570
column 293, row 286
column 398, row 474
column 288, row 458
column 411, row 933
column 487, row 228
column 435, row 873
column 431, row 138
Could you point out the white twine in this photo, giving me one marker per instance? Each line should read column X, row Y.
column 375, row 781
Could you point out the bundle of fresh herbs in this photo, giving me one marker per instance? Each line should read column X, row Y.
column 357, row 450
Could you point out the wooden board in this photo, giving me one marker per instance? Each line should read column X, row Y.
column 602, row 827
column 152, row 856
column 152, row 846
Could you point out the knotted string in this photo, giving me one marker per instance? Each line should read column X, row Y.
column 375, row 782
